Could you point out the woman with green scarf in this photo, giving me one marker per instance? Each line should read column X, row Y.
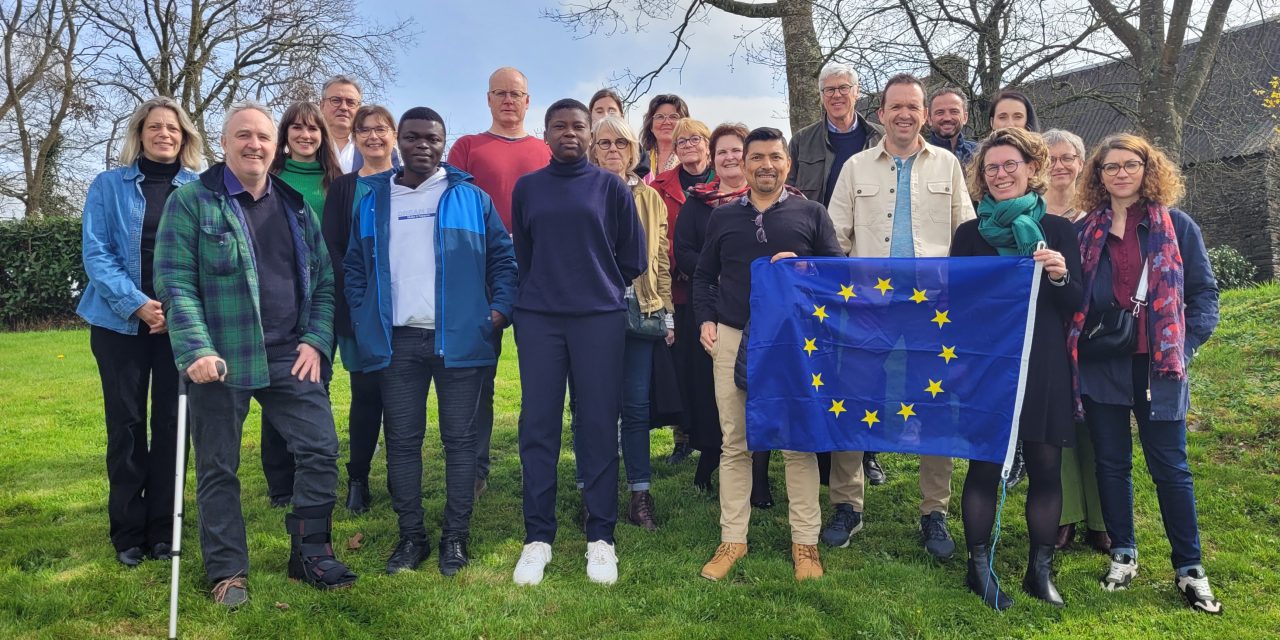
column 1008, row 175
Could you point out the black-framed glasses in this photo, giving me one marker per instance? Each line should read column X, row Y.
column 691, row 141
column 338, row 101
column 843, row 90
column 760, row 235
column 1131, row 167
column 606, row 144
column 1009, row 166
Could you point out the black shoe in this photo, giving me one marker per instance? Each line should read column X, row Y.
column 408, row 554
column 762, row 499
column 1039, row 580
column 280, row 502
column 131, row 557
column 680, row 453
column 871, row 468
column 937, row 540
column 161, row 551
column 358, row 498
column 844, row 523
column 982, row 582
column 453, row 555
column 1017, row 471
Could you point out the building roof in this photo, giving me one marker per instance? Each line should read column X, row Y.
column 1228, row 121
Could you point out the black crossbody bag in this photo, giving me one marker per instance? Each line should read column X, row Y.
column 1114, row 332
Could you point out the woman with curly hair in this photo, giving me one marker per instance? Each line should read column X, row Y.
column 1142, row 256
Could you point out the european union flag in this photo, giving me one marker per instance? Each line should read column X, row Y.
column 923, row 356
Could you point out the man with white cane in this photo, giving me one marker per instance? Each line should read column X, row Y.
column 247, row 287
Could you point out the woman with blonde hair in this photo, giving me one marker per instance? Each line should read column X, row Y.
column 162, row 150
column 1150, row 302
column 1008, row 175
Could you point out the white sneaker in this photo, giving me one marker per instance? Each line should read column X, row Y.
column 602, row 562
column 1124, row 568
column 1195, row 588
column 533, row 560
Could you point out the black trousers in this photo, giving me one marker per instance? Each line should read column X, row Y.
column 140, row 471
column 277, row 462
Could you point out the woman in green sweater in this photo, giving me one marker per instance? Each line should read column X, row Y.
column 305, row 160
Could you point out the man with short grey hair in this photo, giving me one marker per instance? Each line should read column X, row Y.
column 339, row 99
column 820, row 149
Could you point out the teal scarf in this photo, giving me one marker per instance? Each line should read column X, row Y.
column 1012, row 226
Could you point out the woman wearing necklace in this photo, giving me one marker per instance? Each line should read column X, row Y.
column 657, row 136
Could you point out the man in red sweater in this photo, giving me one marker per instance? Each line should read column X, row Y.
column 497, row 158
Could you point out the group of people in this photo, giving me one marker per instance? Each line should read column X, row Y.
column 622, row 262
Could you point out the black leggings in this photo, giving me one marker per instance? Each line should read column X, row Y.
column 1044, row 496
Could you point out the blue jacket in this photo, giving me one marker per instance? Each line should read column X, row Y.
column 112, row 248
column 1111, row 381
column 475, row 274
column 963, row 150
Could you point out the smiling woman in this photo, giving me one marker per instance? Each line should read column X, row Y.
column 305, row 159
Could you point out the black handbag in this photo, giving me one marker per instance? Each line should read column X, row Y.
column 651, row 326
column 1114, row 332
column 740, row 360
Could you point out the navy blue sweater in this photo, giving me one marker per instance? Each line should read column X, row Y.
column 578, row 240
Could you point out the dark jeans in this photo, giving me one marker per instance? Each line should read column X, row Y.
column 140, row 474
column 1164, row 444
column 484, row 413
column 405, row 384
column 277, row 462
column 637, row 372
column 591, row 347
column 299, row 410
column 363, row 424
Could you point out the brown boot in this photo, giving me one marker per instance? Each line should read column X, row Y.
column 640, row 513
column 722, row 562
column 808, row 564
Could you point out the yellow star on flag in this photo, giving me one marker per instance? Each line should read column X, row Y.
column 907, row 411
column 935, row 387
column 837, row 407
column 846, row 290
column 817, row 380
column 809, row 346
column 883, row 285
column 940, row 317
column 820, row 312
column 948, row 353
column 918, row 296
column 870, row 418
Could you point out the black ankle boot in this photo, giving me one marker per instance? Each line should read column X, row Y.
column 1039, row 580
column 358, row 498
column 982, row 581
column 311, row 557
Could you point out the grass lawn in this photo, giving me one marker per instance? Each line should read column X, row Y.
column 59, row 578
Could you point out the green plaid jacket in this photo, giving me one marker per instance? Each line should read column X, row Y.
column 207, row 280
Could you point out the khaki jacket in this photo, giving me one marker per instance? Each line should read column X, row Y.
column 653, row 287
column 864, row 197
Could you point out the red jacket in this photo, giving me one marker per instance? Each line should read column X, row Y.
column 668, row 186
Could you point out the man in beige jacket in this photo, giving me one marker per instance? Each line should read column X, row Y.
column 902, row 198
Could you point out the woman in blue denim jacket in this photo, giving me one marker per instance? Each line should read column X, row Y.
column 128, row 335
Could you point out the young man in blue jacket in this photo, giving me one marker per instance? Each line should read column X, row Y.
column 430, row 276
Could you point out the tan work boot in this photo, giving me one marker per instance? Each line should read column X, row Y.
column 722, row 562
column 808, row 564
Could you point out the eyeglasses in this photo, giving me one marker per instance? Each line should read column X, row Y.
column 1009, row 166
column 1064, row 159
column 691, row 141
column 760, row 236
column 665, row 117
column 1131, row 167
column 843, row 90
column 620, row 143
column 380, row 130
column 508, row 95
column 338, row 101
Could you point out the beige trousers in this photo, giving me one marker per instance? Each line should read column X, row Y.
column 848, row 482
column 805, row 513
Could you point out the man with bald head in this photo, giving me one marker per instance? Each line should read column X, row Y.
column 247, row 287
column 496, row 159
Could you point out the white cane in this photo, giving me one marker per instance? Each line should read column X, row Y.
column 180, row 476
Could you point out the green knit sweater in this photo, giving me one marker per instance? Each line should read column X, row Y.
column 308, row 179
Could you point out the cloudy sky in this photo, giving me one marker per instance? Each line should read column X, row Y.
column 463, row 42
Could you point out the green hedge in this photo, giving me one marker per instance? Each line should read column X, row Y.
column 41, row 272
column 1231, row 268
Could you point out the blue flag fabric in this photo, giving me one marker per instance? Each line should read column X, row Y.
column 919, row 356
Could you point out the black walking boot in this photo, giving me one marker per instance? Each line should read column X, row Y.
column 983, row 582
column 1039, row 580
column 311, row 558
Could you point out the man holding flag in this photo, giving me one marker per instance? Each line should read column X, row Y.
column 770, row 220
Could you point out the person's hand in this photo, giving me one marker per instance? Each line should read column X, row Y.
column 499, row 320
column 151, row 314
column 206, row 370
column 782, row 255
column 307, row 366
column 708, row 336
column 1054, row 264
column 671, row 337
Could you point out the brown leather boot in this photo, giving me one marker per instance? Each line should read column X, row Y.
column 640, row 512
column 727, row 554
column 808, row 564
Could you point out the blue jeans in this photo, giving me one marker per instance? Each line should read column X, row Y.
column 1164, row 443
column 637, row 374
